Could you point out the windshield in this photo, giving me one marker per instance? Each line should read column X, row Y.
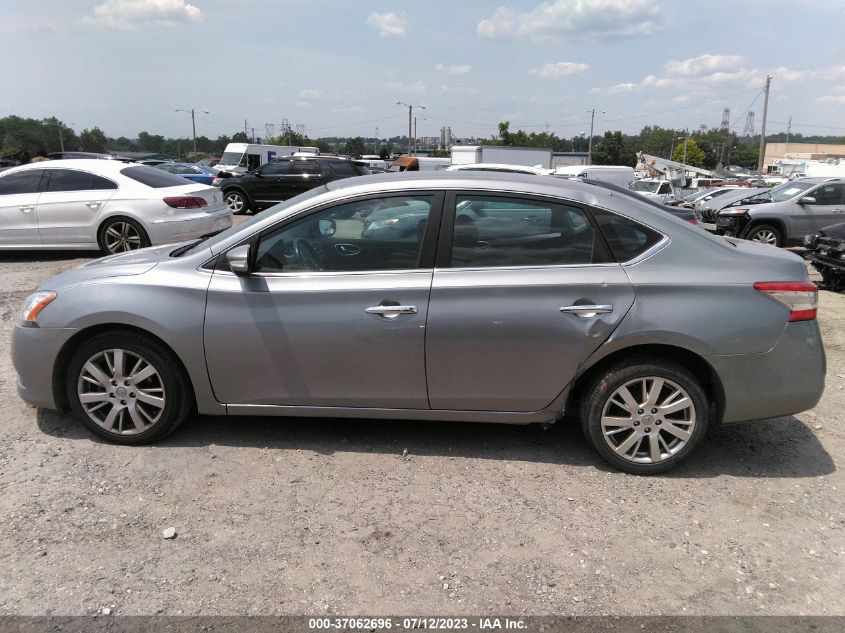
column 650, row 186
column 699, row 194
column 232, row 158
column 220, row 237
column 789, row 190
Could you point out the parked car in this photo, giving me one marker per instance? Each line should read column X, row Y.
column 697, row 198
column 787, row 213
column 78, row 155
column 105, row 204
column 654, row 189
column 827, row 253
column 708, row 210
column 192, row 172
column 283, row 178
column 551, row 298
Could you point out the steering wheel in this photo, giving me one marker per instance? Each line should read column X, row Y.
column 305, row 254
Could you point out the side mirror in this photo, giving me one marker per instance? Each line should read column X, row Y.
column 238, row 259
column 807, row 200
column 328, row 228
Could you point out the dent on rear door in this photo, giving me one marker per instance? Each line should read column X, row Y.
column 497, row 340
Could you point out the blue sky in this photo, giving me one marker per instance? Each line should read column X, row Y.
column 339, row 66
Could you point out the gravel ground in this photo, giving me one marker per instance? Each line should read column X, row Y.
column 292, row 516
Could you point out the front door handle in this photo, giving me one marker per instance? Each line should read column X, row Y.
column 587, row 311
column 27, row 209
column 391, row 312
column 93, row 204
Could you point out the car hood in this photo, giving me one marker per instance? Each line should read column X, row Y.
column 835, row 231
column 720, row 202
column 120, row 265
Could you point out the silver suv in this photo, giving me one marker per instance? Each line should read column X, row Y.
column 786, row 213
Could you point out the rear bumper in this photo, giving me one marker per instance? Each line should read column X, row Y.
column 787, row 379
column 188, row 227
column 34, row 353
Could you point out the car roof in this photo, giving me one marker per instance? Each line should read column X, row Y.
column 88, row 164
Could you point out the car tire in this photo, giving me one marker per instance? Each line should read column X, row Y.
column 765, row 234
column 127, row 388
column 653, row 437
column 119, row 235
column 237, row 201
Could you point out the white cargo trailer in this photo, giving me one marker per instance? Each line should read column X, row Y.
column 503, row 154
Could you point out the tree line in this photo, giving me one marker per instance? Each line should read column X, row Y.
column 25, row 138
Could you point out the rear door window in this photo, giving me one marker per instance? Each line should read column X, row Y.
column 499, row 231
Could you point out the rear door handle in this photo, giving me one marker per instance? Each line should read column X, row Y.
column 587, row 311
column 93, row 204
column 391, row 312
column 26, row 209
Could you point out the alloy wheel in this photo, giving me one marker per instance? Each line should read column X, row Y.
column 235, row 202
column 121, row 392
column 765, row 236
column 648, row 420
column 121, row 237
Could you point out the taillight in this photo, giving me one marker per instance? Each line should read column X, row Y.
column 185, row 202
column 801, row 298
column 692, row 220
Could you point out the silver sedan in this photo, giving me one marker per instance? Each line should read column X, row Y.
column 455, row 296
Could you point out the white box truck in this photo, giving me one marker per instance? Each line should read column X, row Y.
column 502, row 154
column 239, row 158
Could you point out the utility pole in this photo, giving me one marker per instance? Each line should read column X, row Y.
column 590, row 144
column 246, row 129
column 410, row 121
column 375, row 142
column 61, row 138
column 193, row 123
column 763, row 130
column 788, row 130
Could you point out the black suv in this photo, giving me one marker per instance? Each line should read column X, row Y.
column 284, row 178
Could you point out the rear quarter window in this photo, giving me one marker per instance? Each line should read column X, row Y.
column 627, row 239
column 152, row 177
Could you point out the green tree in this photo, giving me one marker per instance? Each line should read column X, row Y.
column 240, row 137
column 689, row 153
column 384, row 153
column 612, row 149
column 150, row 142
column 93, row 140
column 355, row 146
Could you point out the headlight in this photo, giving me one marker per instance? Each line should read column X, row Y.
column 33, row 305
column 733, row 212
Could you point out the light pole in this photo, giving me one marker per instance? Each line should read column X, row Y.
column 193, row 122
column 410, row 119
column 590, row 145
column 375, row 142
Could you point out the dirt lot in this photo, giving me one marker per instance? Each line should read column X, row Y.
column 312, row 517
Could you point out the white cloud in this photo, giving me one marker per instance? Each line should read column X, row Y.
column 129, row 14
column 703, row 65
column 388, row 24
column 560, row 69
column 621, row 88
column 832, row 100
column 414, row 88
column 454, row 69
column 580, row 19
column 467, row 91
column 309, row 93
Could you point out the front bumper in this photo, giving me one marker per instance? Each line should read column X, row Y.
column 188, row 227
column 34, row 353
column 787, row 379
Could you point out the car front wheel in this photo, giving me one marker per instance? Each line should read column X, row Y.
column 645, row 417
column 765, row 234
column 127, row 389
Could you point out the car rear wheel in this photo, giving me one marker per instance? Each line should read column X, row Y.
column 127, row 389
column 645, row 417
column 765, row 234
column 237, row 201
column 118, row 235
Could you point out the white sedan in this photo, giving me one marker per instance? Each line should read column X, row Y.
column 106, row 204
